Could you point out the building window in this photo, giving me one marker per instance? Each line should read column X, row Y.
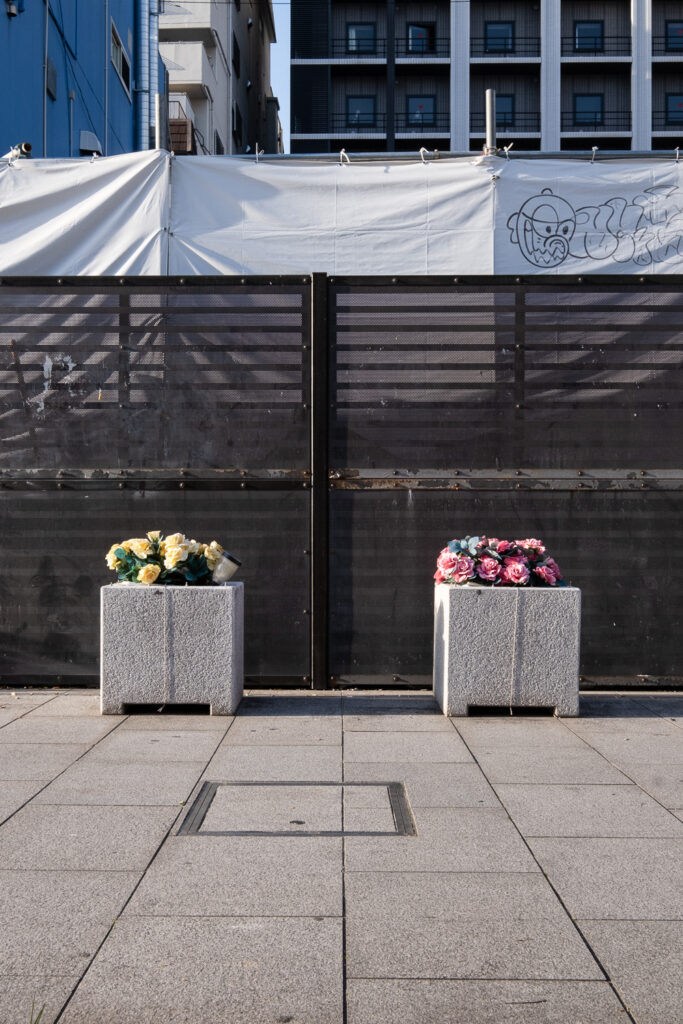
column 421, row 38
column 119, row 59
column 361, row 37
column 674, row 108
column 674, row 36
column 236, row 55
column 589, row 109
column 499, row 37
column 505, row 111
column 421, row 110
column 589, row 37
column 360, row 111
column 237, row 125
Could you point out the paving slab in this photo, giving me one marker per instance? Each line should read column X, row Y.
column 14, row 794
column 84, row 838
column 288, row 876
column 664, row 782
column 275, row 763
column 422, row 722
column 366, row 797
column 502, row 764
column 670, row 705
column 592, row 811
column 643, row 959
column 54, row 730
column 177, row 723
column 214, row 970
column 23, row 997
column 448, row 839
column 85, row 705
column 613, row 705
column 483, row 1002
column 430, row 785
column 149, row 745
column 53, row 921
column 377, row 819
column 386, row 747
column 443, row 925
column 615, row 878
column 35, row 761
column 124, row 785
column 287, row 730
column 267, row 808
column 8, row 715
column 383, row 702
column 488, row 734
column 650, row 741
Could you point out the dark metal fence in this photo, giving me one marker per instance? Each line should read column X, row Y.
column 334, row 433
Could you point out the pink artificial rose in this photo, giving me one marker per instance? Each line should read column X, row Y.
column 514, row 571
column 533, row 543
column 522, row 559
column 546, row 574
column 446, row 561
column 464, row 570
column 439, row 576
column 554, row 568
column 503, row 546
column 488, row 568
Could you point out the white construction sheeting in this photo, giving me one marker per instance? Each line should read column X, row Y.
column 149, row 213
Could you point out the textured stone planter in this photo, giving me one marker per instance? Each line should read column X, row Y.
column 172, row 645
column 508, row 647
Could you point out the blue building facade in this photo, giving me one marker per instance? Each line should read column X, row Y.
column 96, row 91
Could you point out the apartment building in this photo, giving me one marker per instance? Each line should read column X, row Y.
column 385, row 75
column 217, row 55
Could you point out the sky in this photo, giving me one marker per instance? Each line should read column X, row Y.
column 279, row 68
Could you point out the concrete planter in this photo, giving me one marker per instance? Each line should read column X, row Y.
column 509, row 647
column 172, row 645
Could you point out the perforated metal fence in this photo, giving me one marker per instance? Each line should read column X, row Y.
column 335, row 433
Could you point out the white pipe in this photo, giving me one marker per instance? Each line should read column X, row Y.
column 142, row 74
column 157, row 121
column 47, row 28
column 153, row 60
column 490, row 122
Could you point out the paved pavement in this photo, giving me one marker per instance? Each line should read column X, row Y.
column 543, row 886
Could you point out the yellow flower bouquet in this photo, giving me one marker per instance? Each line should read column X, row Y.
column 172, row 560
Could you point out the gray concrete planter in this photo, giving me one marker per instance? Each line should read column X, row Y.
column 511, row 647
column 172, row 645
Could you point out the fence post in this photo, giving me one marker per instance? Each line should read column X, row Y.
column 319, row 481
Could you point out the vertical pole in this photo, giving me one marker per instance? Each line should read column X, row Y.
column 72, row 97
column 319, row 481
column 490, row 122
column 391, row 76
column 519, row 414
column 157, row 121
column 47, row 29
column 107, row 52
column 551, row 75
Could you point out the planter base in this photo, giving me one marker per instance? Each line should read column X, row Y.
column 506, row 648
column 172, row 645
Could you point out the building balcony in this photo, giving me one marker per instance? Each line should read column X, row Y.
column 503, row 49
column 597, row 123
column 596, row 46
column 668, row 46
column 668, row 121
column 343, row 125
column 426, row 124
column 429, row 49
column 373, row 51
column 518, row 123
column 203, row 21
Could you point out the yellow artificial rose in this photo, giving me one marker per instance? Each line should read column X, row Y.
column 140, row 547
column 154, row 535
column 195, row 548
column 148, row 573
column 175, row 540
column 112, row 560
column 173, row 555
column 213, row 554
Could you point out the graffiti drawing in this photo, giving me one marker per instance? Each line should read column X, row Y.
column 647, row 229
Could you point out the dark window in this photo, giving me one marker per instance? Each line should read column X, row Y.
column 589, row 109
column 236, row 55
column 237, row 125
column 499, row 37
column 589, row 36
column 421, row 110
column 360, row 111
column 421, row 38
column 119, row 59
column 674, row 36
column 505, row 111
column 674, row 108
column 361, row 37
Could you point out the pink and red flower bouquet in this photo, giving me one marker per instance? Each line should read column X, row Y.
column 490, row 562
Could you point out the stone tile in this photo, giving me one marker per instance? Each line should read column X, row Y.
column 56, row 730
column 124, row 785
column 423, row 722
column 84, row 838
column 664, row 782
column 462, row 839
column 482, row 1002
column 386, row 747
column 276, row 763
column 548, row 765
column 643, row 960
column 444, row 925
column 214, row 970
column 25, row 761
column 600, row 811
column 244, row 876
column 177, row 723
column 149, row 745
column 22, row 997
column 275, row 809
column 487, row 735
column 430, row 785
column 649, row 741
column 366, row 797
column 8, row 715
column 615, row 878
column 85, row 705
column 679, row 814
column 670, row 705
column 288, row 730
column 383, row 702
column 14, row 794
column 365, row 819
column 612, row 705
column 28, row 699
column 53, row 921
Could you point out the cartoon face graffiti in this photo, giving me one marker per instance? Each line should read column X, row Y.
column 543, row 229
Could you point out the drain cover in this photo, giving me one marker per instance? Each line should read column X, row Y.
column 300, row 808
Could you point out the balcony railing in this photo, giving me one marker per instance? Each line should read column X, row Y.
column 424, row 124
column 585, row 122
column 341, row 124
column 425, row 48
column 527, row 121
column 526, row 46
column 360, row 49
column 667, row 46
column 598, row 46
column 667, row 120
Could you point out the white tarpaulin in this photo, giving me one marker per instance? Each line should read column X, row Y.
column 149, row 213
